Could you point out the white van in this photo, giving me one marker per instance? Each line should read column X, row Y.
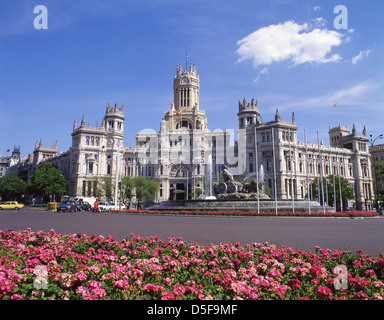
column 90, row 200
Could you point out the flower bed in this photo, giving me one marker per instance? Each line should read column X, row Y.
column 47, row 265
column 342, row 214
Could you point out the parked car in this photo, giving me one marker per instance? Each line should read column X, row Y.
column 110, row 206
column 102, row 206
column 13, row 205
column 86, row 206
column 83, row 205
column 67, row 205
column 117, row 206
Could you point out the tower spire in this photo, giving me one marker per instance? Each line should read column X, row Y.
column 186, row 57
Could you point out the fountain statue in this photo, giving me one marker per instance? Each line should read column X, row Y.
column 230, row 189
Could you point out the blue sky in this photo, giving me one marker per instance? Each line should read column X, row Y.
column 285, row 53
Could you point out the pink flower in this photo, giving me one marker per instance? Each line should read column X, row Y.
column 356, row 263
column 151, row 288
column 167, row 295
column 361, row 295
column 168, row 280
column 370, row 273
column 179, row 289
column 274, row 273
column 262, row 266
column 324, row 292
column 80, row 276
column 121, row 284
column 294, row 284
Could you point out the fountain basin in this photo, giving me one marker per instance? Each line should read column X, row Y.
column 245, row 205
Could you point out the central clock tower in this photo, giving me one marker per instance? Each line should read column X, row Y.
column 186, row 88
column 185, row 112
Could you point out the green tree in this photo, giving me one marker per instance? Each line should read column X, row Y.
column 145, row 189
column 380, row 172
column 107, row 187
column 198, row 194
column 12, row 187
column 128, row 188
column 97, row 188
column 268, row 191
column 379, row 177
column 347, row 190
column 48, row 180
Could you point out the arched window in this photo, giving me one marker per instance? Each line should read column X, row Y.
column 184, row 124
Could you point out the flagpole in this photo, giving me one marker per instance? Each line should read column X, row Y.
column 257, row 173
column 187, row 184
column 337, row 113
column 290, row 168
column 326, row 190
column 306, row 165
column 321, row 172
column 334, row 190
column 338, row 171
column 274, row 168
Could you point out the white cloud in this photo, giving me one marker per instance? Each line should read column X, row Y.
column 260, row 73
column 319, row 22
column 289, row 41
column 360, row 56
column 316, row 8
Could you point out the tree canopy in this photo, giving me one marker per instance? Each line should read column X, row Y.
column 141, row 187
column 48, row 180
column 12, row 187
column 347, row 190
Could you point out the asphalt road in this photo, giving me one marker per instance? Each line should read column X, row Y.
column 299, row 233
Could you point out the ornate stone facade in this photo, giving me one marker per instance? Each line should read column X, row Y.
column 184, row 153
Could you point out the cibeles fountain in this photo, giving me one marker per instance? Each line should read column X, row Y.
column 248, row 189
column 247, row 195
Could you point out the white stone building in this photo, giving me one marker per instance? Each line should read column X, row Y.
column 180, row 154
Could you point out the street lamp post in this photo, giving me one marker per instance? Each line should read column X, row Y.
column 372, row 142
